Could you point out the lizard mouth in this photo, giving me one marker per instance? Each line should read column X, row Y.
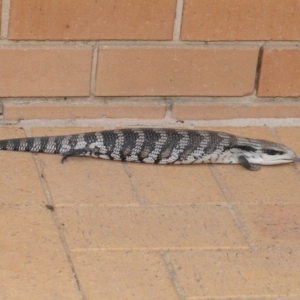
column 296, row 159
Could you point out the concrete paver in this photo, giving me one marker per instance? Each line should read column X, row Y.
column 237, row 274
column 270, row 226
column 84, row 181
column 290, row 136
column 124, row 275
column 190, row 185
column 87, row 181
column 264, row 186
column 150, row 227
column 137, row 231
column 33, row 261
column 14, row 166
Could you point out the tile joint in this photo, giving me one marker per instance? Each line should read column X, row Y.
column 231, row 208
column 54, row 215
column 172, row 274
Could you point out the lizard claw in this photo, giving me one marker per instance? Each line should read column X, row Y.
column 64, row 158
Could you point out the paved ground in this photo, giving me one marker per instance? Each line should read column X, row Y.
column 135, row 231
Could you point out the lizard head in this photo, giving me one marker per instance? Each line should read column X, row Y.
column 261, row 152
column 273, row 153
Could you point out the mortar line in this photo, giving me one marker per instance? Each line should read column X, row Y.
column 178, row 20
column 165, row 249
column 179, row 100
column 231, row 208
column 168, row 205
column 172, row 275
column 153, row 43
column 94, row 71
column 55, row 217
column 5, row 18
column 165, row 122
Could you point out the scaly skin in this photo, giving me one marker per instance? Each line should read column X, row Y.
column 160, row 146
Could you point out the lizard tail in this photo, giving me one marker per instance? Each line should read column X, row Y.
column 41, row 144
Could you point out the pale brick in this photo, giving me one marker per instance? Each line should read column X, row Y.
column 161, row 185
column 60, row 110
column 49, row 71
column 243, row 186
column 237, row 274
column 91, row 20
column 90, row 187
column 280, row 73
column 269, row 226
column 176, row 71
column 222, row 111
column 124, row 275
column 158, row 227
column 231, row 20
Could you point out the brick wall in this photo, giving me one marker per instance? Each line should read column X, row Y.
column 192, row 59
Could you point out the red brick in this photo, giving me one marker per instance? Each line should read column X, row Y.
column 241, row 20
column 280, row 73
column 88, row 20
column 223, row 111
column 51, row 71
column 176, row 71
column 57, row 110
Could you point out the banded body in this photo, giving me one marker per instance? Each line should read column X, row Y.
column 159, row 146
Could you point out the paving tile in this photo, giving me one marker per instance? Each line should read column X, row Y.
column 271, row 225
column 150, row 227
column 20, row 181
column 111, row 233
column 84, row 180
column 232, row 20
column 45, row 71
column 262, row 186
column 279, row 73
column 237, row 274
column 211, row 110
column 290, row 136
column 92, row 20
column 123, row 275
column 175, row 184
column 33, row 262
column 61, row 110
column 179, row 71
